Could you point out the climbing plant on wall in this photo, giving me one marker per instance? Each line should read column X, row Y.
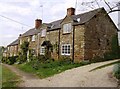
column 23, row 53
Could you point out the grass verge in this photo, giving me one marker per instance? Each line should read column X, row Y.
column 44, row 70
column 9, row 79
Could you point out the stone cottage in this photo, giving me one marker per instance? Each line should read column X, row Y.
column 11, row 49
column 80, row 37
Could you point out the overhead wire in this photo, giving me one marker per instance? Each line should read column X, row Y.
column 14, row 20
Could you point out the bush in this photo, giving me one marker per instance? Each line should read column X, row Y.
column 21, row 58
column 12, row 59
column 4, row 59
column 116, row 71
column 9, row 60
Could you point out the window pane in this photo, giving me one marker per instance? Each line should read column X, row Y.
column 43, row 33
column 65, row 50
column 67, row 28
column 33, row 38
column 42, row 50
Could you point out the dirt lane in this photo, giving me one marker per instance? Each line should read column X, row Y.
column 77, row 77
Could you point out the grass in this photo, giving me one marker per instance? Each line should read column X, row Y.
column 9, row 79
column 106, row 65
column 48, row 69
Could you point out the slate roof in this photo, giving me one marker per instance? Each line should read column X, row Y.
column 14, row 43
column 32, row 31
column 85, row 17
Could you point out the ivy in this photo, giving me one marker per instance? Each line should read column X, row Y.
column 23, row 54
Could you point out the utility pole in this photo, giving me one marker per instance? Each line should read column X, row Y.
column 76, row 5
column 41, row 11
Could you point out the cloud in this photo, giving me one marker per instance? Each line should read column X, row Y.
column 9, row 8
column 26, row 11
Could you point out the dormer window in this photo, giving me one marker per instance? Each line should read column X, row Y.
column 33, row 38
column 43, row 33
column 67, row 28
column 78, row 19
column 52, row 25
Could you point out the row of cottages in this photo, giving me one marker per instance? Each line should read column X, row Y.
column 81, row 37
column 12, row 49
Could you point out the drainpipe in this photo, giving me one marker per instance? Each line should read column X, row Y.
column 73, row 43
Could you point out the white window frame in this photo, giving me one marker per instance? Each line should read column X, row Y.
column 66, row 52
column 43, row 33
column 67, row 28
column 33, row 38
column 42, row 51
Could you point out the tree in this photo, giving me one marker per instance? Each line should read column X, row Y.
column 96, row 4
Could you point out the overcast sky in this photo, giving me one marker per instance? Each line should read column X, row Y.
column 26, row 11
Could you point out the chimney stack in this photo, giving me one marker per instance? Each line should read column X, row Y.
column 70, row 11
column 38, row 23
column 20, row 35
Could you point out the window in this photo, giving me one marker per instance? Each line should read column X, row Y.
column 43, row 33
column 67, row 28
column 42, row 50
column 65, row 49
column 33, row 38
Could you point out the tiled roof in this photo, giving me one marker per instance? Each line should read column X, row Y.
column 14, row 43
column 32, row 31
column 85, row 17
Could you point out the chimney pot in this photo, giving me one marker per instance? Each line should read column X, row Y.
column 38, row 23
column 70, row 11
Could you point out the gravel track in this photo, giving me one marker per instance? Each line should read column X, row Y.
column 76, row 77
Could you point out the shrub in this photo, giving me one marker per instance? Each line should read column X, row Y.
column 116, row 71
column 9, row 60
column 23, row 54
column 4, row 59
column 12, row 59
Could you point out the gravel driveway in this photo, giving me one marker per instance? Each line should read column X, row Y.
column 76, row 77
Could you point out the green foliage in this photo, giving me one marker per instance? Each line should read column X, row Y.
column 55, row 46
column 23, row 54
column 49, row 67
column 1, row 52
column 9, row 79
column 9, row 60
column 24, row 46
column 115, row 46
column 12, row 60
column 117, row 70
column 4, row 59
